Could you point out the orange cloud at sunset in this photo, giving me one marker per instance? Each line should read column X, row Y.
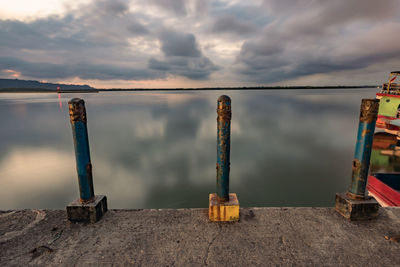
column 12, row 73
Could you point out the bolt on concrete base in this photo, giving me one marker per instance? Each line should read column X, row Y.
column 87, row 212
column 223, row 211
column 356, row 210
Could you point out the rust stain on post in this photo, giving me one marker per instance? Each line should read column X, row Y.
column 365, row 132
column 224, row 108
column 77, row 111
column 369, row 111
column 356, row 165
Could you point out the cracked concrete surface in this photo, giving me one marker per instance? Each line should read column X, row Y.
column 185, row 237
column 209, row 246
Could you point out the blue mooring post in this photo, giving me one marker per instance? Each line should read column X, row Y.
column 223, row 206
column 362, row 155
column 223, row 146
column 355, row 205
column 77, row 114
column 89, row 207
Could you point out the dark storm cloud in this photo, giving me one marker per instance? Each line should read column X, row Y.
column 182, row 56
column 137, row 29
column 241, row 11
column 94, row 42
column 179, row 44
column 176, row 7
column 42, row 34
column 265, row 61
column 91, row 29
column 312, row 37
column 198, row 68
column 267, row 41
column 229, row 24
column 158, row 65
column 328, row 12
column 82, row 70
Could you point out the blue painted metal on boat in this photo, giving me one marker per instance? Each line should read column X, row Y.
column 223, row 146
column 362, row 155
column 77, row 113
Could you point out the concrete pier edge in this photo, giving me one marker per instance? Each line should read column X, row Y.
column 185, row 237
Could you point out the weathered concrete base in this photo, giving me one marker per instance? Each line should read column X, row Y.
column 88, row 212
column 225, row 211
column 356, row 210
column 186, row 237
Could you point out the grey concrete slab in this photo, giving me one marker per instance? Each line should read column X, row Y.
column 185, row 237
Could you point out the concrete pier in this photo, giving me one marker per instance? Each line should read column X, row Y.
column 185, row 237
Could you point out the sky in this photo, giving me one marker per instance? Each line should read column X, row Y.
column 200, row 43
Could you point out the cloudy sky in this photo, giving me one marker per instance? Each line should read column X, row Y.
column 200, row 43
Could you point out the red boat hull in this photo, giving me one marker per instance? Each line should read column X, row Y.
column 383, row 192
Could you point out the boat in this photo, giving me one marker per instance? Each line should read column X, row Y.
column 384, row 181
column 389, row 105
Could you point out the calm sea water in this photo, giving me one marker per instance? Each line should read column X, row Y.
column 158, row 149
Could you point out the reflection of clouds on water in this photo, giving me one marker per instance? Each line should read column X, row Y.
column 299, row 151
column 154, row 150
column 46, row 178
column 170, row 158
column 35, row 177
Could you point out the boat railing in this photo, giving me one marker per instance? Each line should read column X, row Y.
column 393, row 89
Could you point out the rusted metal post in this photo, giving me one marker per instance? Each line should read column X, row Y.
column 362, row 155
column 77, row 114
column 223, row 146
column 89, row 208
column 355, row 205
column 223, row 206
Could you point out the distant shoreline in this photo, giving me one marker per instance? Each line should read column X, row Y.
column 239, row 88
column 41, row 90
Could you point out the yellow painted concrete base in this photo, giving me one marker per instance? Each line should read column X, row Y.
column 224, row 211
